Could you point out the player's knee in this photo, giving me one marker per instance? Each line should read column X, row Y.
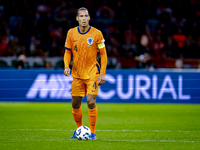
column 91, row 101
column 76, row 102
column 75, row 105
column 91, row 104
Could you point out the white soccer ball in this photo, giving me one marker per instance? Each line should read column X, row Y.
column 83, row 133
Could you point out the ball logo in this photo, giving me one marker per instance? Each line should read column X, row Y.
column 90, row 41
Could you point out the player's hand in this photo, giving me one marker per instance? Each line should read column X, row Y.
column 67, row 71
column 101, row 79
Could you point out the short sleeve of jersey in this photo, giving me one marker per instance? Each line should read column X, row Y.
column 68, row 42
column 100, row 40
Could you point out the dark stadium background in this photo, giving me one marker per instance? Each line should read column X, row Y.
column 32, row 33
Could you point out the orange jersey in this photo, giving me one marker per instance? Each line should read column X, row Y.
column 84, row 48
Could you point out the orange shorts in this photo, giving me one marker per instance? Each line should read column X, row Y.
column 82, row 87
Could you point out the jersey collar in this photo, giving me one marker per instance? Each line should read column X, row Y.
column 84, row 32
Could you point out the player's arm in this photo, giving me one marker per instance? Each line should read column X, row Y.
column 67, row 60
column 103, row 54
column 67, row 55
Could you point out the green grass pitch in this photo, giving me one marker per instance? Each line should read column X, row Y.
column 35, row 126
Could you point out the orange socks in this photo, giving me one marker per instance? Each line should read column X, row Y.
column 92, row 115
column 77, row 114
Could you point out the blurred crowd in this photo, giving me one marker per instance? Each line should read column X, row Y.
column 141, row 29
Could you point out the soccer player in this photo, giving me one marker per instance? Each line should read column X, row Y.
column 84, row 42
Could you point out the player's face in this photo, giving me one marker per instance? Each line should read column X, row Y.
column 83, row 18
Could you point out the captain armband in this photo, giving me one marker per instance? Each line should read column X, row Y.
column 101, row 45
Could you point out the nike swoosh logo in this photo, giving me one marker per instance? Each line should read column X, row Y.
column 75, row 40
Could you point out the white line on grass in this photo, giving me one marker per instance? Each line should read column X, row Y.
column 164, row 141
column 63, row 139
column 64, row 130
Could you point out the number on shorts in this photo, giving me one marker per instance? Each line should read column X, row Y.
column 95, row 85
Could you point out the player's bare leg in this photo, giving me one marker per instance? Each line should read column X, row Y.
column 91, row 101
column 92, row 115
column 76, row 102
column 77, row 112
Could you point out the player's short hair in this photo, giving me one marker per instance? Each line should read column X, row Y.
column 82, row 8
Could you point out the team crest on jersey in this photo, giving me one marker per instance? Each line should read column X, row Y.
column 90, row 41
